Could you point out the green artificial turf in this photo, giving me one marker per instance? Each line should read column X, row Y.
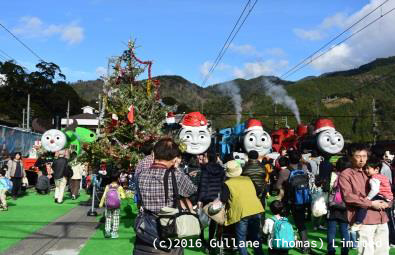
column 124, row 244
column 30, row 213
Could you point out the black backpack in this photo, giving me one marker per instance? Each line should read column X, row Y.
column 299, row 190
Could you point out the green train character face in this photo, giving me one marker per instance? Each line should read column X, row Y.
column 85, row 135
column 71, row 137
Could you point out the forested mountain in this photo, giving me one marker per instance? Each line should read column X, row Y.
column 344, row 96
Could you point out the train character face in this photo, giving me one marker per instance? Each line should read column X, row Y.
column 330, row 141
column 197, row 139
column 53, row 140
column 258, row 140
column 195, row 133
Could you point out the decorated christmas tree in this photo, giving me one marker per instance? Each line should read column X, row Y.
column 131, row 113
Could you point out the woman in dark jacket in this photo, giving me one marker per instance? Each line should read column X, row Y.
column 337, row 211
column 211, row 180
column 16, row 172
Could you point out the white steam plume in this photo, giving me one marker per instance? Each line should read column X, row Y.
column 233, row 91
column 280, row 96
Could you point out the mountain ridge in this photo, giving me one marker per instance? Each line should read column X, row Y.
column 356, row 87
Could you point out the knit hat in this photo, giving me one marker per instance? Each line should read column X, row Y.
column 194, row 119
column 323, row 124
column 254, row 124
column 253, row 154
column 233, row 169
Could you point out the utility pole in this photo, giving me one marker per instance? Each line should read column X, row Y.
column 68, row 113
column 28, row 113
column 275, row 115
column 100, row 114
column 23, row 121
column 374, row 123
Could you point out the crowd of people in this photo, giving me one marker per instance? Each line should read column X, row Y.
column 355, row 193
column 54, row 172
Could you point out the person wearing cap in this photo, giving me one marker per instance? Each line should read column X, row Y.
column 244, row 207
column 59, row 167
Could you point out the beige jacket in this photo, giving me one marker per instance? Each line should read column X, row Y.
column 12, row 168
column 78, row 169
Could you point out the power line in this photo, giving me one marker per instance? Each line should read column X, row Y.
column 7, row 57
column 27, row 47
column 228, row 42
column 234, row 35
column 223, row 47
column 328, row 50
column 328, row 43
column 5, row 54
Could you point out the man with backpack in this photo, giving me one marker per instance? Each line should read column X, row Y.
column 279, row 231
column 299, row 196
column 112, row 196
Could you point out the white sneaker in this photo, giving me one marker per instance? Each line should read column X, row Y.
column 322, row 227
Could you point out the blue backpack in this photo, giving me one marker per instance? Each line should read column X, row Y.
column 283, row 234
column 299, row 190
column 7, row 184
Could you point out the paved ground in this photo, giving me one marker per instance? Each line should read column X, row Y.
column 65, row 236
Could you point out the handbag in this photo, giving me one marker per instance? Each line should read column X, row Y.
column 146, row 227
column 177, row 222
column 25, row 181
column 216, row 211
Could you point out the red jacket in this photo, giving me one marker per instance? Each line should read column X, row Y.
column 385, row 186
